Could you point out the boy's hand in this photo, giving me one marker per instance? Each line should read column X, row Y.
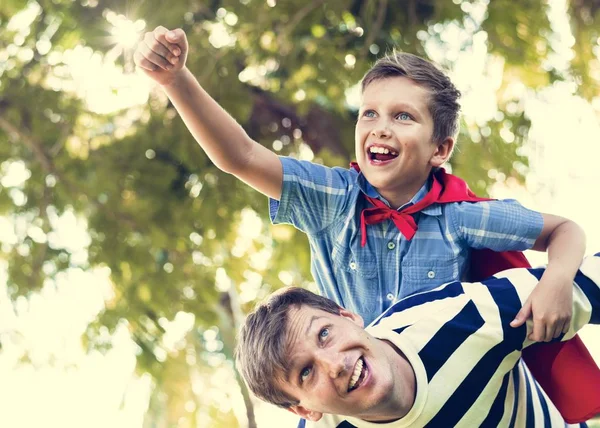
column 551, row 307
column 162, row 54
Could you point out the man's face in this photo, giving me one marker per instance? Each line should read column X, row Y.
column 393, row 137
column 336, row 366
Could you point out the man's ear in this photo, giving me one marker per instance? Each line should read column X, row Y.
column 442, row 152
column 357, row 319
column 305, row 413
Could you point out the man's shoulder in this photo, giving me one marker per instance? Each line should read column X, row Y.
column 327, row 421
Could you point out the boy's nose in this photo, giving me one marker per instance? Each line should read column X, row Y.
column 381, row 131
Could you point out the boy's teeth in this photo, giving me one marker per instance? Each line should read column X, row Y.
column 381, row 150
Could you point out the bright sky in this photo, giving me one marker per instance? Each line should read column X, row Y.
column 64, row 385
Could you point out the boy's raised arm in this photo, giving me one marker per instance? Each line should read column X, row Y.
column 162, row 56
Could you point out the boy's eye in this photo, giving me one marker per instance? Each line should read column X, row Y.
column 404, row 116
column 304, row 374
column 323, row 334
column 369, row 113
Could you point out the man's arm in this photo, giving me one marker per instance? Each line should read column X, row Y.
column 162, row 55
column 550, row 303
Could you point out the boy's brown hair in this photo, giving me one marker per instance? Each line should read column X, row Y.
column 443, row 102
column 262, row 348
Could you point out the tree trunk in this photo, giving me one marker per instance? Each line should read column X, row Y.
column 230, row 320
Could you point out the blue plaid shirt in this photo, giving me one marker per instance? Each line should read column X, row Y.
column 326, row 203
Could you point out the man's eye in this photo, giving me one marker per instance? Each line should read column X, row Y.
column 304, row 374
column 323, row 334
column 404, row 116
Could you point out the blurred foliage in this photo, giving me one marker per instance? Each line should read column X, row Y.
column 159, row 214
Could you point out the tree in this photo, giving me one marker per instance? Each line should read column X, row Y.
column 159, row 214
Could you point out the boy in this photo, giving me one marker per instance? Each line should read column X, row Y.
column 406, row 128
column 447, row 357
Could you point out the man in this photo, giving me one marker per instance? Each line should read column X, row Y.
column 442, row 358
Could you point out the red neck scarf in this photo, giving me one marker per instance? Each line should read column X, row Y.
column 565, row 370
column 445, row 188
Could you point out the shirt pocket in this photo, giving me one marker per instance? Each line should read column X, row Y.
column 350, row 259
column 426, row 274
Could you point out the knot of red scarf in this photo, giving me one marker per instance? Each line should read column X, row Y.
column 403, row 219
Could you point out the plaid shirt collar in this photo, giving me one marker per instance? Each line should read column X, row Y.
column 368, row 189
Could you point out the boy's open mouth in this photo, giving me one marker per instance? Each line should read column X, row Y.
column 358, row 376
column 381, row 154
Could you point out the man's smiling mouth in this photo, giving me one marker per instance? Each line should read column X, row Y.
column 358, row 376
column 381, row 154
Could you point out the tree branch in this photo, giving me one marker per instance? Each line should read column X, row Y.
column 296, row 19
column 375, row 28
column 413, row 18
column 40, row 155
column 16, row 134
column 318, row 127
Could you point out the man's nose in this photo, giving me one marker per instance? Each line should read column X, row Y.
column 336, row 364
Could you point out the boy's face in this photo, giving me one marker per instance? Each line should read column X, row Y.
column 335, row 366
column 394, row 119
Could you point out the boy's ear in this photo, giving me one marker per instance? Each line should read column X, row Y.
column 442, row 152
column 305, row 413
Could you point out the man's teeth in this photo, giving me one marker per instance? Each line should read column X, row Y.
column 356, row 375
column 382, row 150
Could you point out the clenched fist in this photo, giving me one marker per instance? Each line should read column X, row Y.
column 162, row 54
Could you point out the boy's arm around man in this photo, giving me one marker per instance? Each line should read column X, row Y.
column 550, row 303
column 504, row 225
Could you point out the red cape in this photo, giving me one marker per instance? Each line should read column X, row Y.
column 565, row 370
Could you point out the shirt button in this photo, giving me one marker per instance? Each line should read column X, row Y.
column 353, row 265
column 390, row 296
column 431, row 274
column 391, row 245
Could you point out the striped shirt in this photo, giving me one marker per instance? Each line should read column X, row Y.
column 466, row 357
column 326, row 204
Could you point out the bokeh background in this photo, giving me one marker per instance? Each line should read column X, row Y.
column 127, row 260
